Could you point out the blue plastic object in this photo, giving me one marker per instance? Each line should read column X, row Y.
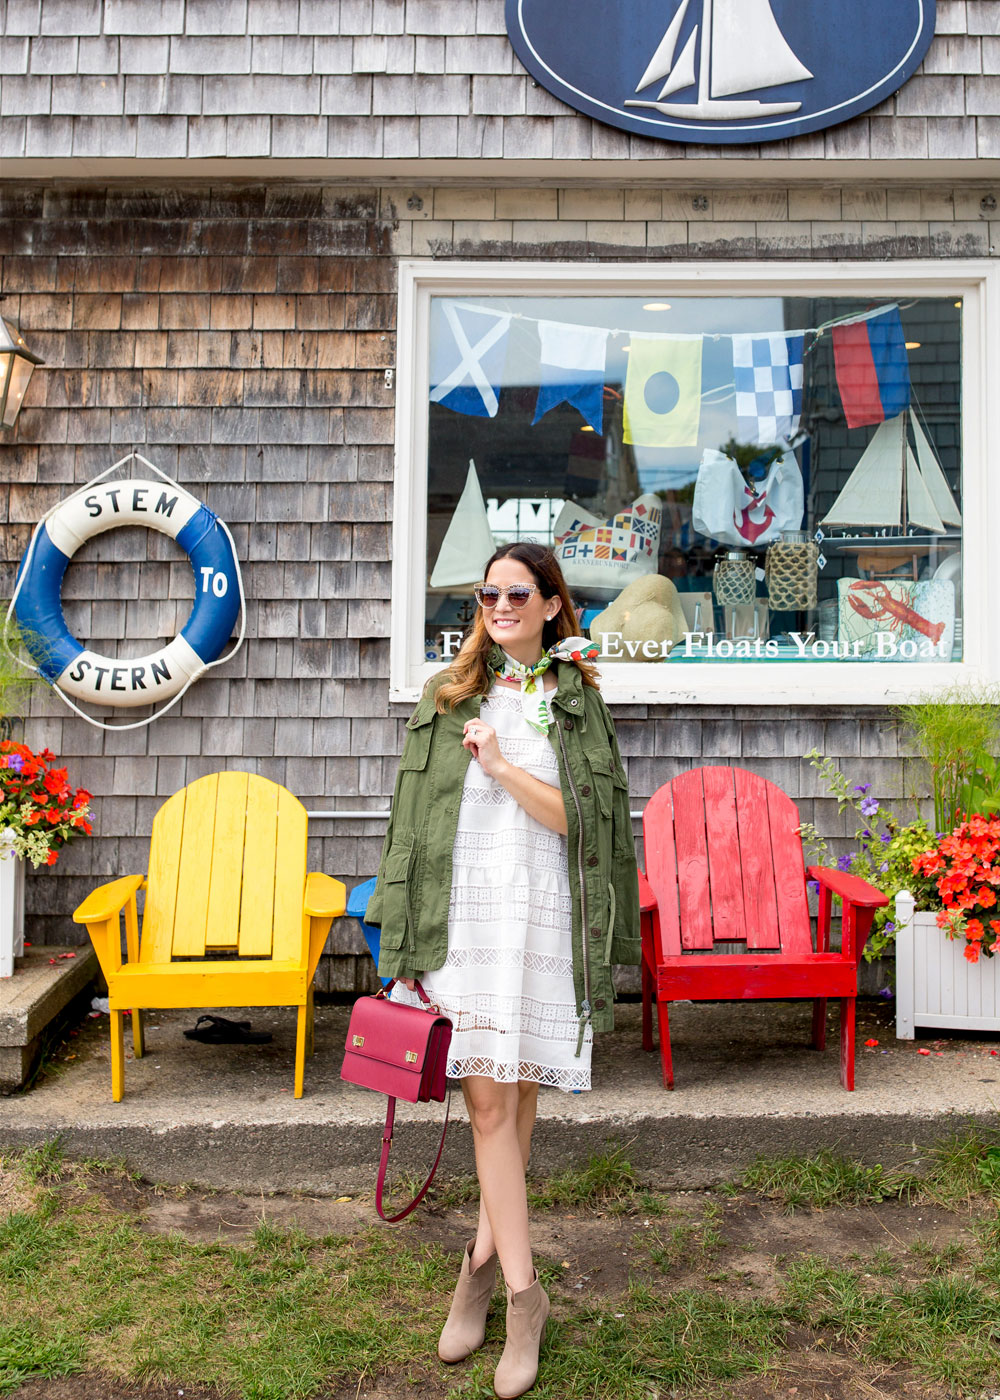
column 357, row 903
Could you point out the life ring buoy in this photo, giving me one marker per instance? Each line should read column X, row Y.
column 86, row 675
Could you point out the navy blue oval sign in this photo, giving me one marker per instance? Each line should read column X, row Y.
column 721, row 71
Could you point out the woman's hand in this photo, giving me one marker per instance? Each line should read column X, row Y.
column 481, row 741
column 538, row 799
column 410, row 983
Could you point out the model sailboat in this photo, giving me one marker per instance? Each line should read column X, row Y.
column 741, row 50
column 890, row 486
column 468, row 541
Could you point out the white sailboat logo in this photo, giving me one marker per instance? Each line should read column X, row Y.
column 742, row 49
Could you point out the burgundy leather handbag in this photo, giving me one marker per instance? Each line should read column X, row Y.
column 401, row 1051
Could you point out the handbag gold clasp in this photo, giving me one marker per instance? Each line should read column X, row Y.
column 357, row 1040
column 411, row 1057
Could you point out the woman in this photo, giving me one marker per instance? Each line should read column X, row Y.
column 508, row 886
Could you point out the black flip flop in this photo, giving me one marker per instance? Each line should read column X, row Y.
column 219, row 1030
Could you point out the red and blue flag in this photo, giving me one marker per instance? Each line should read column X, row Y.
column 873, row 371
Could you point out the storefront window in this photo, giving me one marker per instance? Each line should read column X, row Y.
column 746, row 479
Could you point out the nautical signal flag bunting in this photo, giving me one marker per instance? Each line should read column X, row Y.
column 467, row 359
column 663, row 392
column 571, row 370
column 873, row 372
column 767, row 374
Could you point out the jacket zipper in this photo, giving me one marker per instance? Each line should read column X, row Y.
column 585, row 930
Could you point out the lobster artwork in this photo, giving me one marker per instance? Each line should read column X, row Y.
column 879, row 604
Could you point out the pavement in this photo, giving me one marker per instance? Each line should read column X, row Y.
column 747, row 1083
column 46, row 985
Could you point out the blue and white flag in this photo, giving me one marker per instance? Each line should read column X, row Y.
column 572, row 367
column 767, row 372
column 467, row 364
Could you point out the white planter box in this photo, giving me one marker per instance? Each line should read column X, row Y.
column 935, row 984
column 11, row 912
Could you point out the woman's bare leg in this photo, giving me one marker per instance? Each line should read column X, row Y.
column 502, row 1117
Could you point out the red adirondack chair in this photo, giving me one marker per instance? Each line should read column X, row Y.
column 724, row 865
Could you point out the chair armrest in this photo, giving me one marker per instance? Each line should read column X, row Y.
column 647, row 899
column 326, row 898
column 850, row 888
column 108, row 900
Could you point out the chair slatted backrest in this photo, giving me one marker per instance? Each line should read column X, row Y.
column 227, row 870
column 724, row 859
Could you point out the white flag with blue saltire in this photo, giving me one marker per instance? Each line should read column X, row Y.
column 467, row 359
column 767, row 373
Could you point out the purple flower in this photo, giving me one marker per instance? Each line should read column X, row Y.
column 869, row 807
column 884, row 866
column 889, row 926
column 845, row 862
column 886, row 992
column 867, row 835
column 15, row 761
column 813, row 885
column 885, row 838
column 861, row 787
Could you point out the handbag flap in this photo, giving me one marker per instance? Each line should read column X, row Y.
column 392, row 1034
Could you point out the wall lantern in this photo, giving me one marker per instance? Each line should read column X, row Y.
column 16, row 365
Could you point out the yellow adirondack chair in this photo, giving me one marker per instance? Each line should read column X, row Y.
column 227, row 873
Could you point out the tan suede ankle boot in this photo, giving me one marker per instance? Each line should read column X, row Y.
column 465, row 1329
column 526, row 1315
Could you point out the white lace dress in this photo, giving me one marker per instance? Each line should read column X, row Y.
column 507, row 982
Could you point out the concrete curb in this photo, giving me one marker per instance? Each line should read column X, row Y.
column 747, row 1084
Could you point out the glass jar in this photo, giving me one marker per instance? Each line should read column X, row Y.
column 734, row 580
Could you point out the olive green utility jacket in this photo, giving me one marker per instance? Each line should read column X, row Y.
column 413, row 890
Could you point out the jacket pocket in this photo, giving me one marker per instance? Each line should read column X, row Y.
column 602, row 775
column 418, row 743
column 396, row 895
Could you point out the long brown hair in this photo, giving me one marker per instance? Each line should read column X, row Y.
column 468, row 674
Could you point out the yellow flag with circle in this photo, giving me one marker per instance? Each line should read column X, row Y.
column 663, row 392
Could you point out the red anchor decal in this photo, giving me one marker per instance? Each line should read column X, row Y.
column 748, row 528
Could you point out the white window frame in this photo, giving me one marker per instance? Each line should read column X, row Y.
column 738, row 681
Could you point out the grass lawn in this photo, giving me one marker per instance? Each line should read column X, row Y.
column 809, row 1278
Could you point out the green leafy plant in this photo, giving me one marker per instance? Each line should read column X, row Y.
column 957, row 734
column 884, row 854
column 16, row 682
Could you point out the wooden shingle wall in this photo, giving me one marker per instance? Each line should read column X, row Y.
column 238, row 337
column 396, row 80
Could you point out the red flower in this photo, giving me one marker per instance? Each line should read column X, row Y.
column 52, row 857
column 972, row 952
column 986, row 896
column 54, row 818
column 47, row 756
column 82, row 798
column 974, row 931
column 33, row 818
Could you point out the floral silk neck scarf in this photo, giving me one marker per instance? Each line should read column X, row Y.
column 534, row 705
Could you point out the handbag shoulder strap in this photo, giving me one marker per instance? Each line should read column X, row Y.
column 390, row 1115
